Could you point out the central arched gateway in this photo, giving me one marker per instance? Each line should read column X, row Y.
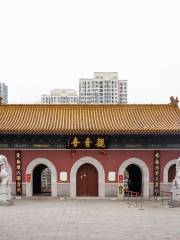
column 87, row 180
column 99, row 168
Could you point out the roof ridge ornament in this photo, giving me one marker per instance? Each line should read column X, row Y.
column 174, row 101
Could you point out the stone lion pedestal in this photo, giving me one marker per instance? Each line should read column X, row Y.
column 5, row 190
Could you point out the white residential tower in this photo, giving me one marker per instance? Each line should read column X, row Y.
column 60, row 96
column 4, row 92
column 104, row 87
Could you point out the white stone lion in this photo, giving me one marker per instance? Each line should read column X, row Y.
column 176, row 181
column 5, row 191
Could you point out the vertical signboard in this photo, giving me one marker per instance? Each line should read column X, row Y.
column 156, row 172
column 18, row 164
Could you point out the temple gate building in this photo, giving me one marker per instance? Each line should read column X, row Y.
column 90, row 150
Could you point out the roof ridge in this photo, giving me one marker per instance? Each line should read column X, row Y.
column 88, row 105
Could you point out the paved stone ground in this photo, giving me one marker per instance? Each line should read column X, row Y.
column 87, row 219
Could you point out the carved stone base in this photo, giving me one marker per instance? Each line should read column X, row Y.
column 176, row 194
column 6, row 203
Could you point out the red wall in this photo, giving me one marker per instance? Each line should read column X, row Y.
column 111, row 159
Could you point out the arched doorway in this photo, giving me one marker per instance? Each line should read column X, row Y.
column 167, row 173
column 29, row 171
column 100, row 170
column 87, row 180
column 171, row 173
column 134, row 178
column 41, row 180
column 144, row 172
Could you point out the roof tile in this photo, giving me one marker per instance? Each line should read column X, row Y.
column 95, row 119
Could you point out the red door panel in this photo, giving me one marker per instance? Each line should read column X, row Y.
column 87, row 181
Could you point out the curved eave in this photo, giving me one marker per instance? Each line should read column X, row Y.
column 136, row 132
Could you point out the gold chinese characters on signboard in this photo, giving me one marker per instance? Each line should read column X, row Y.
column 156, row 172
column 18, row 159
column 87, row 142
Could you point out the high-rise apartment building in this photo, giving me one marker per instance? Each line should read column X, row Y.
column 104, row 87
column 60, row 96
column 4, row 92
column 122, row 91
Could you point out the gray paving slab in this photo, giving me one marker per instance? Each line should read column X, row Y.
column 85, row 219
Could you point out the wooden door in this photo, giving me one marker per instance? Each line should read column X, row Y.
column 87, row 181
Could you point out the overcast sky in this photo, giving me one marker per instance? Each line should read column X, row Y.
column 47, row 44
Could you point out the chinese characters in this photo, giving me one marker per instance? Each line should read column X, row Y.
column 87, row 142
column 18, row 159
column 75, row 142
column 156, row 172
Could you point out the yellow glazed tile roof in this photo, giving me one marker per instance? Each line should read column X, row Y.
column 91, row 119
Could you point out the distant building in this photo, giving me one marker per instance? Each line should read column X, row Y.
column 4, row 92
column 122, row 91
column 104, row 87
column 60, row 96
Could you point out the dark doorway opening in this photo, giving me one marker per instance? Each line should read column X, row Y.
column 172, row 173
column 87, row 181
column 41, row 180
column 134, row 178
